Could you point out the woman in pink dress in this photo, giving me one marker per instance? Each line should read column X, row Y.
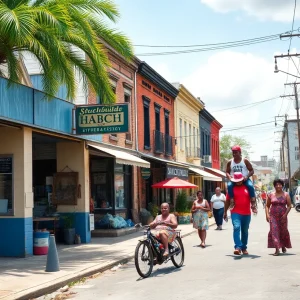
column 277, row 208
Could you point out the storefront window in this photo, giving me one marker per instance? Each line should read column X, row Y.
column 119, row 191
column 6, row 186
column 101, row 184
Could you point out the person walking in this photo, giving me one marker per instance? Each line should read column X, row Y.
column 243, row 165
column 277, row 209
column 217, row 203
column 199, row 212
column 263, row 196
column 240, row 214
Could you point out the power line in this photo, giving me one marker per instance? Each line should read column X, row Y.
column 253, row 103
column 214, row 44
column 295, row 5
column 237, row 128
column 222, row 46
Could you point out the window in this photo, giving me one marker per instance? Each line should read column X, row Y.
column 114, row 88
column 194, row 139
column 180, row 134
column 127, row 98
column 6, row 185
column 190, row 137
column 146, row 123
column 167, row 122
column 185, row 135
column 296, row 153
column 157, row 116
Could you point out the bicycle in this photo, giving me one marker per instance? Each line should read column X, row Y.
column 152, row 253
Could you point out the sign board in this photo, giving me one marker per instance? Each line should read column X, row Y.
column 100, row 119
column 5, row 164
column 146, row 173
column 173, row 171
column 92, row 222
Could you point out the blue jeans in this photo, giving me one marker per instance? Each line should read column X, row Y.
column 240, row 230
column 248, row 183
column 218, row 215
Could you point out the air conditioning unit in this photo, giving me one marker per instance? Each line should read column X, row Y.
column 207, row 158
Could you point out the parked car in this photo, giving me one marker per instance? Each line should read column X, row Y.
column 296, row 197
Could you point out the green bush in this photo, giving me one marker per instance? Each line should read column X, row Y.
column 181, row 202
column 154, row 209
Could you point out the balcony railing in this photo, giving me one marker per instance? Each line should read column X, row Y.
column 169, row 145
column 192, row 152
column 158, row 142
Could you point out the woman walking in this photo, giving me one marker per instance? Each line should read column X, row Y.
column 217, row 206
column 277, row 209
column 200, row 211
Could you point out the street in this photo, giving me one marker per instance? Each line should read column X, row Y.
column 213, row 273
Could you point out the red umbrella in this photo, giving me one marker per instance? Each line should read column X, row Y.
column 174, row 183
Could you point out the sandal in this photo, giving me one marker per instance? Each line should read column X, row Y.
column 166, row 253
column 276, row 253
column 283, row 250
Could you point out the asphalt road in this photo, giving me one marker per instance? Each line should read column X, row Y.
column 211, row 273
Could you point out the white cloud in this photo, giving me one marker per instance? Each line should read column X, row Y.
column 230, row 79
column 276, row 10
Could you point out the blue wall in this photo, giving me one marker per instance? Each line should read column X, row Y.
column 16, row 237
column 29, row 107
column 205, row 133
column 37, row 84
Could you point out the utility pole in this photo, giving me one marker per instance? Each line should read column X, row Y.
column 288, row 145
column 297, row 110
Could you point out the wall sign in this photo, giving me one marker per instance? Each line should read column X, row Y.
column 99, row 119
column 179, row 172
column 6, row 165
column 146, row 173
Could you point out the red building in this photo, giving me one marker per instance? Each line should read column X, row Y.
column 215, row 144
column 156, row 141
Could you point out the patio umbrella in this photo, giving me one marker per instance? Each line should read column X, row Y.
column 174, row 183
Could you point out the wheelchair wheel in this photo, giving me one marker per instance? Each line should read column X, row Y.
column 178, row 258
column 143, row 259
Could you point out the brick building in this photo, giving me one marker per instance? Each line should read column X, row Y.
column 118, row 193
column 156, row 134
column 215, row 144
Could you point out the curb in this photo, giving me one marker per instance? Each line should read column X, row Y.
column 47, row 288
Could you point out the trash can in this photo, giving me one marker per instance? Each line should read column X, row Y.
column 40, row 242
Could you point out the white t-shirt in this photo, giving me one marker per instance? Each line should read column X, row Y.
column 217, row 201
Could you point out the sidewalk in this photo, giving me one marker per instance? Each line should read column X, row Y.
column 25, row 278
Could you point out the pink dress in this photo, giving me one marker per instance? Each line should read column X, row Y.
column 171, row 234
column 279, row 235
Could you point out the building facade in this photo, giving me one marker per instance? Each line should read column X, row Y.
column 156, row 135
column 215, row 144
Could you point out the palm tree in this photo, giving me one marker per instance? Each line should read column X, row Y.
column 57, row 32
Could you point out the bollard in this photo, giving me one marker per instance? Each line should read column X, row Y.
column 52, row 257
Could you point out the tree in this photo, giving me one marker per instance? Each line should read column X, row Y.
column 57, row 32
column 226, row 142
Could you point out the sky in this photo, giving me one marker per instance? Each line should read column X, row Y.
column 223, row 78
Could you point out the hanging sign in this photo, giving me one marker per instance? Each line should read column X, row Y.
column 100, row 119
column 174, row 171
column 146, row 173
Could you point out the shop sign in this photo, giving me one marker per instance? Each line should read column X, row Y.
column 100, row 119
column 5, row 165
column 146, row 173
column 179, row 172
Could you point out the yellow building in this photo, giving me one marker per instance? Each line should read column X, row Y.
column 187, row 132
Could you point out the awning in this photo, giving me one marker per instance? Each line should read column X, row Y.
column 217, row 171
column 122, row 157
column 206, row 176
